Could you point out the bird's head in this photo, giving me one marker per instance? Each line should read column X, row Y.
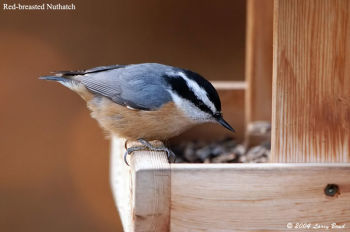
column 196, row 97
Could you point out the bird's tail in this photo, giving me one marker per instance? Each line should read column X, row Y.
column 54, row 78
column 64, row 80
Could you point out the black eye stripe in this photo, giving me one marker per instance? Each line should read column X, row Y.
column 212, row 94
column 179, row 85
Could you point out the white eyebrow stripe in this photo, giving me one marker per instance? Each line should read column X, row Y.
column 197, row 90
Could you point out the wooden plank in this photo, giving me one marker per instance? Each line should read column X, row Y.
column 258, row 66
column 120, row 179
column 232, row 100
column 311, row 81
column 141, row 191
column 257, row 197
column 151, row 196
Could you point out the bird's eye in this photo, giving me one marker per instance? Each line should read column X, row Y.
column 217, row 115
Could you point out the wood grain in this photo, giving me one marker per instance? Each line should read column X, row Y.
column 141, row 191
column 311, row 81
column 232, row 95
column 259, row 62
column 151, row 196
column 257, row 197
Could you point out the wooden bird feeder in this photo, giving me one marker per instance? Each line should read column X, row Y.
column 298, row 77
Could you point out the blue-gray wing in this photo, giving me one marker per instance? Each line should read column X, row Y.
column 139, row 86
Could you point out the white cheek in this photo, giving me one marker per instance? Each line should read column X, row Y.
column 191, row 110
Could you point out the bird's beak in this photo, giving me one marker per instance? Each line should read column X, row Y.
column 225, row 124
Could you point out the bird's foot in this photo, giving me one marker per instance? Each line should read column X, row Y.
column 146, row 145
column 170, row 154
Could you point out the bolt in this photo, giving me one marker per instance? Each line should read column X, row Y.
column 331, row 190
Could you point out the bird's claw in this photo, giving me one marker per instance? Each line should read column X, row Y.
column 170, row 155
column 129, row 151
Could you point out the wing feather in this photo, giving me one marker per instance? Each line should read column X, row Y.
column 87, row 71
column 138, row 86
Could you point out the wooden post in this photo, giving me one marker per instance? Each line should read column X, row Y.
column 141, row 190
column 311, row 81
column 258, row 66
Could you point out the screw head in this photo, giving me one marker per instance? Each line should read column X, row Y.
column 331, row 190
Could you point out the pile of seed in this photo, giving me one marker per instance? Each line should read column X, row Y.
column 224, row 151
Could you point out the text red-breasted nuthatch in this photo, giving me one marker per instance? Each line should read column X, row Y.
column 147, row 101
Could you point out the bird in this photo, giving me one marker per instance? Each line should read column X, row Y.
column 146, row 101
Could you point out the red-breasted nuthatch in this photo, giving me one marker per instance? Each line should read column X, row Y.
column 147, row 101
